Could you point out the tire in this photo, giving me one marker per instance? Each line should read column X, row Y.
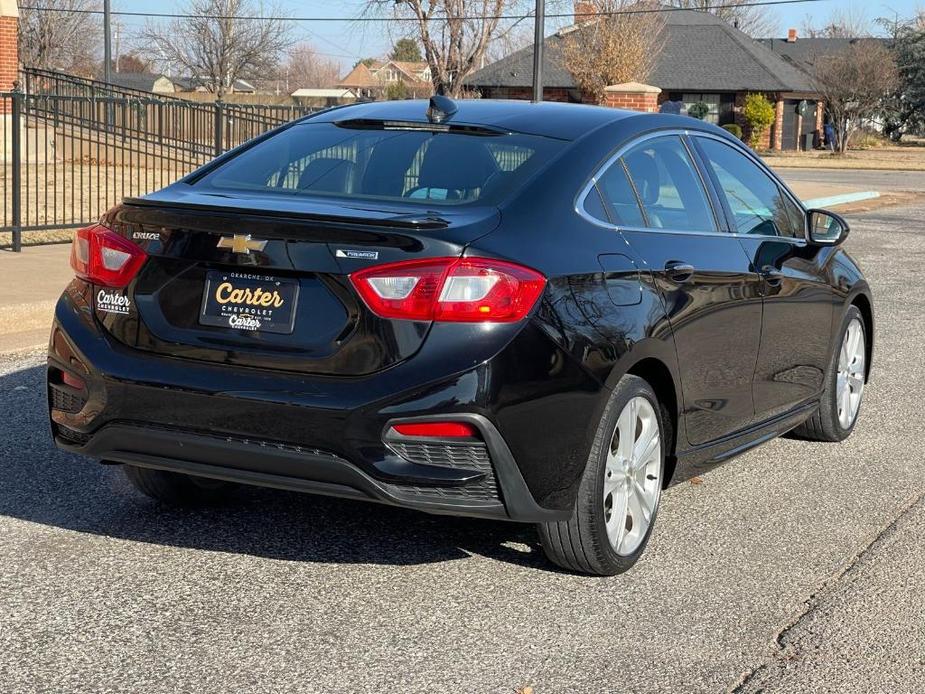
column 827, row 424
column 592, row 541
column 174, row 488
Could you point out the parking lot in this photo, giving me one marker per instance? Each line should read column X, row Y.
column 797, row 567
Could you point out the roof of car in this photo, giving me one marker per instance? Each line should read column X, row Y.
column 548, row 119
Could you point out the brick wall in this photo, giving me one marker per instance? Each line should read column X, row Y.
column 9, row 49
column 633, row 96
column 633, row 101
column 526, row 93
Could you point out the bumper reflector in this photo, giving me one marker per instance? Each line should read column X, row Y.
column 439, row 430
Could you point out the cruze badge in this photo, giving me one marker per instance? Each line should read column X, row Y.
column 241, row 243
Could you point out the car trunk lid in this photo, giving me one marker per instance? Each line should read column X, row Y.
column 263, row 281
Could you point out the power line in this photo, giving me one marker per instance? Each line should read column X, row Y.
column 559, row 15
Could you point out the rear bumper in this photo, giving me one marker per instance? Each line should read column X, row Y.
column 290, row 431
column 303, row 469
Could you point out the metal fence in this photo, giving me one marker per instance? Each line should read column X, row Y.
column 72, row 148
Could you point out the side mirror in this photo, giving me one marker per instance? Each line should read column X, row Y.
column 826, row 228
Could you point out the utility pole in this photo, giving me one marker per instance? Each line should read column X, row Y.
column 538, row 31
column 115, row 62
column 107, row 41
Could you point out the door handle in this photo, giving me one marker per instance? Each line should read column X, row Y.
column 679, row 271
column 771, row 276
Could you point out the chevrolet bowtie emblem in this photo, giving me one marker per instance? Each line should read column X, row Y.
column 241, row 243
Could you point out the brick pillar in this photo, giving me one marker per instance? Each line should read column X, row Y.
column 9, row 46
column 633, row 96
column 778, row 131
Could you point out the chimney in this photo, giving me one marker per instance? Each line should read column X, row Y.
column 584, row 10
column 791, row 35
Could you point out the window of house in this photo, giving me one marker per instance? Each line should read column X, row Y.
column 722, row 106
column 669, row 186
column 758, row 204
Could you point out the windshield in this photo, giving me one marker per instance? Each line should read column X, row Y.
column 414, row 165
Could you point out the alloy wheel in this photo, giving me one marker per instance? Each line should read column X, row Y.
column 632, row 483
column 850, row 378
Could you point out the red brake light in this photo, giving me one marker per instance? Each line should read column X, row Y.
column 450, row 289
column 101, row 256
column 440, row 430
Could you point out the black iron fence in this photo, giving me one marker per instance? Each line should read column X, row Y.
column 71, row 148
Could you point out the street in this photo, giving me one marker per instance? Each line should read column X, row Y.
column 796, row 567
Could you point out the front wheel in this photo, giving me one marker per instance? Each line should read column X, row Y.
column 841, row 398
column 620, row 490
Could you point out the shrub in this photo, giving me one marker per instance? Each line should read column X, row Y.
column 397, row 91
column 698, row 110
column 759, row 115
column 733, row 129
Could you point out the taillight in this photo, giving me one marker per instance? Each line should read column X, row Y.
column 101, row 256
column 450, row 289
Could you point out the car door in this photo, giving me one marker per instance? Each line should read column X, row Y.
column 656, row 196
column 798, row 299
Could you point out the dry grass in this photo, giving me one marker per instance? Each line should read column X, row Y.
column 906, row 157
column 65, row 193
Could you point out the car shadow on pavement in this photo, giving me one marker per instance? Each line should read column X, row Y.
column 41, row 484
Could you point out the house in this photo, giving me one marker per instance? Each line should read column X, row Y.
column 143, row 81
column 702, row 59
column 323, row 97
column 388, row 79
column 198, row 84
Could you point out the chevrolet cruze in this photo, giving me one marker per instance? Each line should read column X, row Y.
column 537, row 312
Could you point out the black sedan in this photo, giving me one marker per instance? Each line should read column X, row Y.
column 537, row 312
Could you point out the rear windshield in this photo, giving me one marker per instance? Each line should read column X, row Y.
column 447, row 168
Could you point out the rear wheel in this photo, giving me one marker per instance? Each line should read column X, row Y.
column 619, row 493
column 844, row 388
column 174, row 488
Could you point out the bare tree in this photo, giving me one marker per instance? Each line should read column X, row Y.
column 849, row 22
column 454, row 34
column 216, row 44
column 755, row 20
column 617, row 46
column 304, row 67
column 62, row 40
column 853, row 84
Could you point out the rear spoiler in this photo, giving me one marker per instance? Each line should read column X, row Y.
column 408, row 220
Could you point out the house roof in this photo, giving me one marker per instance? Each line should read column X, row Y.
column 409, row 68
column 362, row 76
column 191, row 83
column 699, row 52
column 144, row 81
column 359, row 76
column 804, row 52
column 310, row 92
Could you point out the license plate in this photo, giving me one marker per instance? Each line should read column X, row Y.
column 249, row 302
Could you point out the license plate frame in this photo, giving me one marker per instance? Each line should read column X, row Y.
column 230, row 299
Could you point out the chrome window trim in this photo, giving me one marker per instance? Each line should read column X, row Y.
column 682, row 132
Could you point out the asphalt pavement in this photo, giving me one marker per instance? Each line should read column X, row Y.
column 798, row 567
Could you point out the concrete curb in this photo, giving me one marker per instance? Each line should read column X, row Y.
column 843, row 199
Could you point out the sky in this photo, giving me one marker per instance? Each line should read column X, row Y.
column 346, row 41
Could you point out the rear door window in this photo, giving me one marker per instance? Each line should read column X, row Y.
column 669, row 186
column 619, row 196
column 412, row 164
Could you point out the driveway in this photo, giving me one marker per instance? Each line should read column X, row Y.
column 796, row 567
